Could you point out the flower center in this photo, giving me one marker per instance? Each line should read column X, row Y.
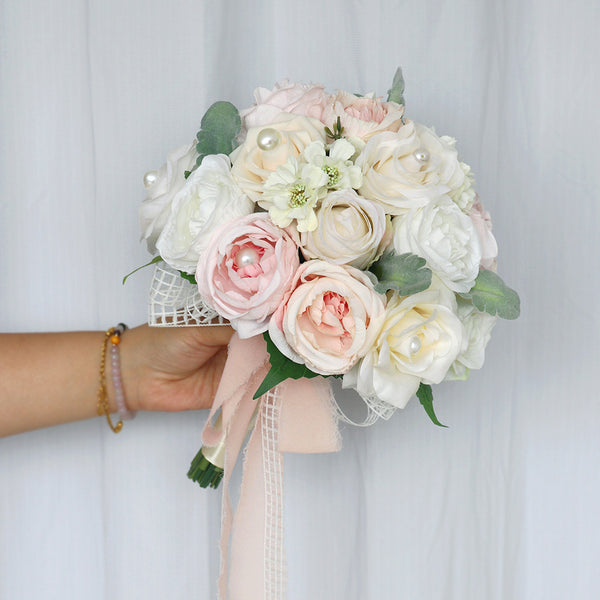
column 333, row 173
column 298, row 195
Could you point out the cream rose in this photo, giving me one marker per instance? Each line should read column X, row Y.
column 351, row 231
column 405, row 170
column 418, row 341
column 445, row 237
column 247, row 270
column 363, row 116
column 268, row 147
column 209, row 197
column 308, row 100
column 331, row 318
column 478, row 332
column 162, row 186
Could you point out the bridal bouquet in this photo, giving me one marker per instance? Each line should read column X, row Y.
column 346, row 235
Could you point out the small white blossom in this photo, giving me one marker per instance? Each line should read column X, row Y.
column 292, row 193
column 340, row 170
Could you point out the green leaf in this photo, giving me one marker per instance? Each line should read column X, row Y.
column 425, row 396
column 282, row 368
column 405, row 273
column 189, row 277
column 396, row 92
column 491, row 295
column 219, row 130
column 155, row 260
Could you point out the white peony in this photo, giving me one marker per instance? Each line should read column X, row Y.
column 406, row 169
column 351, row 231
column 445, row 237
column 419, row 340
column 478, row 331
column 168, row 180
column 464, row 196
column 209, row 197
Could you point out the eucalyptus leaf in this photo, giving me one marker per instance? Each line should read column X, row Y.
column 491, row 295
column 425, row 396
column 219, row 130
column 405, row 273
column 396, row 92
column 282, row 368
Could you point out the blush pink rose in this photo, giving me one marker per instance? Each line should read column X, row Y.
column 308, row 100
column 483, row 225
column 363, row 116
column 331, row 318
column 247, row 271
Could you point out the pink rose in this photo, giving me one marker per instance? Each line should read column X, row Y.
column 247, row 270
column 308, row 100
column 331, row 318
column 363, row 117
column 483, row 225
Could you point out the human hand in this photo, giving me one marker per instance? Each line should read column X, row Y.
column 173, row 368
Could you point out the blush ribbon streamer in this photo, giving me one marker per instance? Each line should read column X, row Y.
column 296, row 416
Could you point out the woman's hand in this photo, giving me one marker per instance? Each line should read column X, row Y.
column 172, row 368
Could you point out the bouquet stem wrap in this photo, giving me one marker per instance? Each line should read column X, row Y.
column 297, row 416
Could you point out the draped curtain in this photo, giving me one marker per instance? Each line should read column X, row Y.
column 501, row 505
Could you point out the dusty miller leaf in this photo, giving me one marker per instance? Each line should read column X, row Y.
column 396, row 92
column 405, row 273
column 491, row 295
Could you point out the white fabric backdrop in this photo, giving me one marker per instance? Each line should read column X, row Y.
column 504, row 503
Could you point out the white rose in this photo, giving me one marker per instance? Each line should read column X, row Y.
column 478, row 331
column 351, row 230
column 169, row 179
column 405, row 170
column 445, row 237
column 331, row 318
column 290, row 135
column 418, row 341
column 209, row 198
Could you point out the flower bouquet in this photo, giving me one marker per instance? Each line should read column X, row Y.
column 339, row 239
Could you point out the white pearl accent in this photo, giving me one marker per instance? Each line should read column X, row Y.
column 414, row 345
column 421, row 155
column 246, row 257
column 150, row 178
column 268, row 139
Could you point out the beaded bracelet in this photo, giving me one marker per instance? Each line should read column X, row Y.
column 114, row 336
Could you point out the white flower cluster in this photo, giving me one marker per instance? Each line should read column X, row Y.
column 280, row 235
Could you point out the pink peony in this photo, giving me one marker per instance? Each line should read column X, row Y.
column 363, row 117
column 483, row 225
column 331, row 318
column 247, row 270
column 308, row 100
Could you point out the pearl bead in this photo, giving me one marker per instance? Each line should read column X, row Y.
column 421, row 155
column 246, row 257
column 150, row 178
column 268, row 139
column 414, row 345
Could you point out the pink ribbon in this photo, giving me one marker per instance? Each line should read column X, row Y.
column 306, row 423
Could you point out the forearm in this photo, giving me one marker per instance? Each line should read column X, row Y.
column 49, row 378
